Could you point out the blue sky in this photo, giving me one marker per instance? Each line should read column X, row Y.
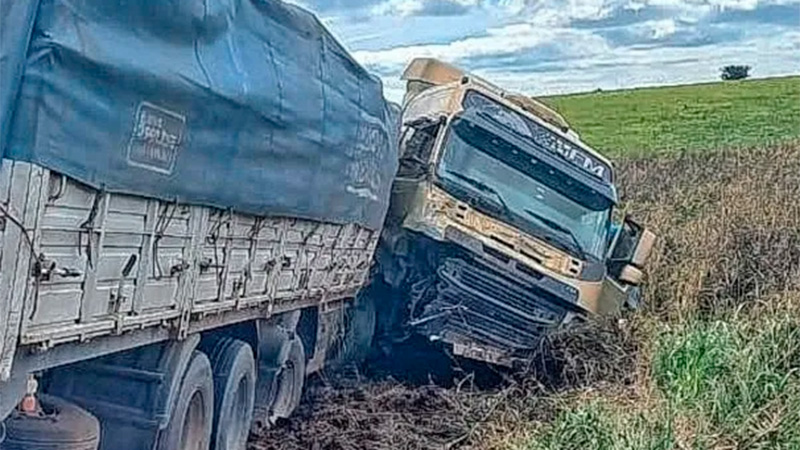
column 557, row 46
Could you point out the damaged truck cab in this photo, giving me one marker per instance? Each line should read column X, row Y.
column 500, row 226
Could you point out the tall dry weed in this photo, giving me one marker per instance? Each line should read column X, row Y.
column 728, row 225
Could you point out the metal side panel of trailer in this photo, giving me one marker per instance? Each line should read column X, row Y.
column 79, row 265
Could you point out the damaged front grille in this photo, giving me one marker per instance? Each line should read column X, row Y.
column 478, row 303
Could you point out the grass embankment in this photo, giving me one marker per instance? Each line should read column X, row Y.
column 691, row 117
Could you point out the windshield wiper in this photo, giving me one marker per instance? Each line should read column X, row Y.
column 481, row 186
column 561, row 229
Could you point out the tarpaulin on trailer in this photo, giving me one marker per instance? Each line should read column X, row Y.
column 243, row 104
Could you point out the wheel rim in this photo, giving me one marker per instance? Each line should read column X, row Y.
column 194, row 424
column 236, row 434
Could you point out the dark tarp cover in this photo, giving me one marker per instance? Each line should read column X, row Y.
column 243, row 104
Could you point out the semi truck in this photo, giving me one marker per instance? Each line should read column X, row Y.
column 501, row 225
column 191, row 194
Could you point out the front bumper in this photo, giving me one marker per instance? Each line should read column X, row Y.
column 492, row 313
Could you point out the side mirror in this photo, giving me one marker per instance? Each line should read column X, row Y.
column 643, row 248
column 630, row 251
column 631, row 275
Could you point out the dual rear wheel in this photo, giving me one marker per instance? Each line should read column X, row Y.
column 234, row 392
column 212, row 409
column 222, row 391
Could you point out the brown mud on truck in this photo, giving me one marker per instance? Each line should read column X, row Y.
column 500, row 226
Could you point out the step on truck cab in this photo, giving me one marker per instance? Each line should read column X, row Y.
column 190, row 197
column 500, row 226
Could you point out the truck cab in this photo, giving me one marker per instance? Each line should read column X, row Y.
column 501, row 220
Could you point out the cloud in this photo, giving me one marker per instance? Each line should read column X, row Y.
column 779, row 14
column 570, row 45
column 628, row 67
column 326, row 6
column 497, row 42
column 405, row 8
column 659, row 29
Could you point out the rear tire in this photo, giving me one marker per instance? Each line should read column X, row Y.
column 280, row 385
column 289, row 382
column 63, row 426
column 191, row 421
column 359, row 331
column 234, row 392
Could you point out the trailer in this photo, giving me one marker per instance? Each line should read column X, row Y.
column 191, row 194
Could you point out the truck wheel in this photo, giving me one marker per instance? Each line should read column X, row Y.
column 234, row 392
column 280, row 386
column 190, row 423
column 61, row 426
column 359, row 330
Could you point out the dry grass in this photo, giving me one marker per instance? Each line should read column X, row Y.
column 728, row 224
column 712, row 361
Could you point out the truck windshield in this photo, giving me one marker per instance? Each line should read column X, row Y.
column 525, row 190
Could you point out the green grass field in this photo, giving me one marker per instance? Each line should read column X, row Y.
column 691, row 117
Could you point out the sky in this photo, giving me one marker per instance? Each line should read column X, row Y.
column 561, row 46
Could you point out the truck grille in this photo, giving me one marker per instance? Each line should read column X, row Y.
column 490, row 306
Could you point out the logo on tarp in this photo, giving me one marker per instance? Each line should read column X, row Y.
column 156, row 139
column 363, row 170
